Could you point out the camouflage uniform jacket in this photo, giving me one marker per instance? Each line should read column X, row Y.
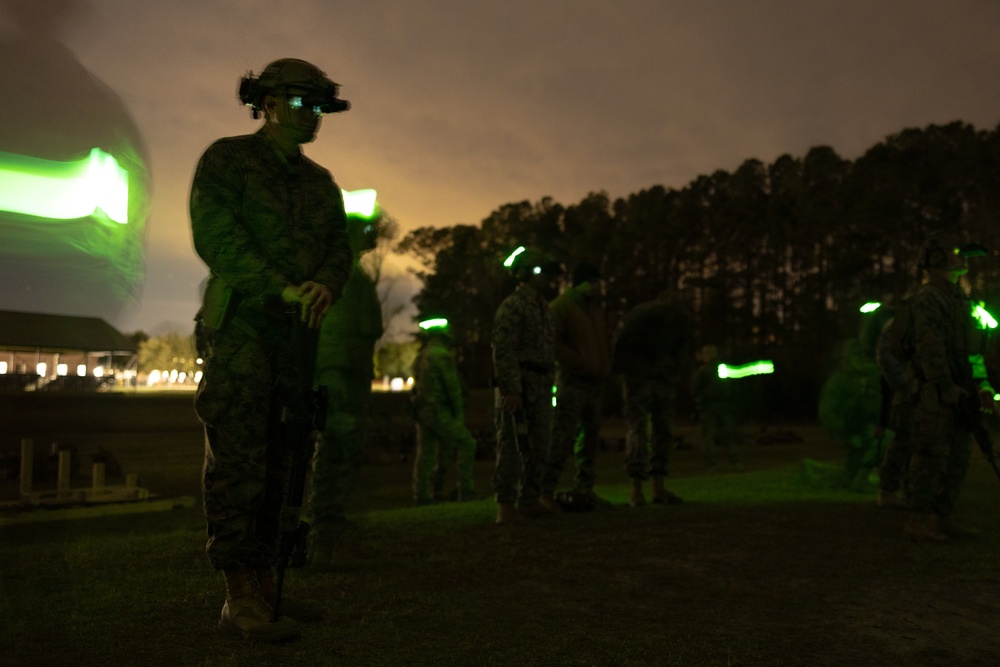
column 523, row 339
column 261, row 222
column 653, row 341
column 943, row 330
column 352, row 326
column 436, row 385
column 582, row 345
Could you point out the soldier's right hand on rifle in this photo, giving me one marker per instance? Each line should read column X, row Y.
column 315, row 299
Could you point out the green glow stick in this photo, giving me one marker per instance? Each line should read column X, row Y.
column 871, row 307
column 986, row 320
column 510, row 258
column 736, row 372
column 64, row 190
column 360, row 203
column 436, row 323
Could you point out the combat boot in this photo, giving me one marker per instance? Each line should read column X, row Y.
column 247, row 614
column 534, row 509
column 952, row 529
column 662, row 496
column 548, row 500
column 924, row 528
column 507, row 514
column 299, row 609
column 890, row 500
column 636, row 498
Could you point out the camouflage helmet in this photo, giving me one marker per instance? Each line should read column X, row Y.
column 939, row 246
column 287, row 73
column 525, row 262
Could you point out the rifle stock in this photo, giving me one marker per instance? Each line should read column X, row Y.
column 971, row 417
column 302, row 420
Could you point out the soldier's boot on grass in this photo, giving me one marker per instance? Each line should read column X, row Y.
column 925, row 528
column 507, row 514
column 662, row 496
column 952, row 529
column 246, row 614
column 534, row 509
column 890, row 500
column 298, row 609
column 636, row 499
column 547, row 499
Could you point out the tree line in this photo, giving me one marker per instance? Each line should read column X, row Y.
column 774, row 259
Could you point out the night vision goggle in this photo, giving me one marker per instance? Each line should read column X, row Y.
column 321, row 101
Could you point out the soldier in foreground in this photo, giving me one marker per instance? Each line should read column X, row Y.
column 651, row 346
column 269, row 223
column 949, row 390
column 524, row 366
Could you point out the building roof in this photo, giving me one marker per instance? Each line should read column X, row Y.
column 60, row 333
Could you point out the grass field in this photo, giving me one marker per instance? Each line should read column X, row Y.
column 758, row 568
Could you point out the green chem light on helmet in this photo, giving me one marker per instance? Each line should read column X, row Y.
column 736, row 372
column 435, row 323
column 510, row 258
column 64, row 190
column 871, row 307
column 986, row 321
column 360, row 203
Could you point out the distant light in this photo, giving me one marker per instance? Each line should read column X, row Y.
column 62, row 370
column 871, row 307
column 986, row 320
column 197, row 377
column 396, row 384
column 736, row 372
column 3, row 367
column 41, row 368
column 436, row 323
column 360, row 203
column 99, row 371
column 81, row 370
column 510, row 258
column 64, row 190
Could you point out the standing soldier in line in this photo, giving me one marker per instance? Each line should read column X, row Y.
column 345, row 367
column 524, row 365
column 713, row 400
column 896, row 413
column 442, row 437
column 651, row 346
column 949, row 389
column 583, row 364
column 269, row 223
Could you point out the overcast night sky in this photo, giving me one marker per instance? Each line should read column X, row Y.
column 459, row 107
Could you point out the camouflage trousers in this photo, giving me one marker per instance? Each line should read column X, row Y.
column 242, row 386
column 718, row 431
column 649, row 423
column 441, row 443
column 522, row 458
column 941, row 454
column 338, row 457
column 895, row 465
column 576, row 428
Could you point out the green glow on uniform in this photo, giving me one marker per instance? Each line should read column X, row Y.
column 360, row 203
column 436, row 323
column 986, row 320
column 510, row 258
column 64, row 190
column 554, row 390
column 871, row 307
column 756, row 368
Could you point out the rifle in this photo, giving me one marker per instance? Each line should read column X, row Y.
column 303, row 418
column 971, row 418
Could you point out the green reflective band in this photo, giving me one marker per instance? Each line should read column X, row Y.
column 64, row 190
column 510, row 259
column 735, row 372
column 436, row 323
column 985, row 320
column 360, row 203
column 871, row 307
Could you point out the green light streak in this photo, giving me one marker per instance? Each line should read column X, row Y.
column 871, row 307
column 436, row 323
column 64, row 190
column 736, row 372
column 510, row 258
column 985, row 320
column 360, row 203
